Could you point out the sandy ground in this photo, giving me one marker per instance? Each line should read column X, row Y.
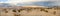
column 36, row 12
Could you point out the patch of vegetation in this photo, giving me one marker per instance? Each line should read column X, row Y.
column 14, row 10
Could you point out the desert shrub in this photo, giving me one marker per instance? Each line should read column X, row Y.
column 14, row 10
column 5, row 10
column 42, row 9
column 46, row 11
column 28, row 9
column 54, row 12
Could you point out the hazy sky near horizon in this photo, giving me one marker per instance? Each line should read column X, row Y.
column 16, row 1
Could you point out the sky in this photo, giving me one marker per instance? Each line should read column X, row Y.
column 3, row 0
column 22, row 1
column 16, row 1
column 25, row 0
